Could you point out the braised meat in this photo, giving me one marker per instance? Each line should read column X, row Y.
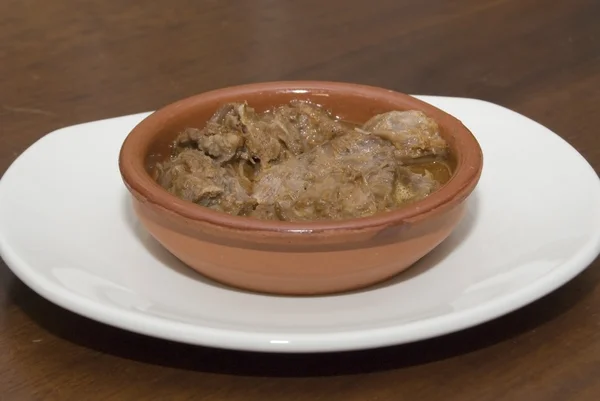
column 195, row 177
column 411, row 132
column 297, row 162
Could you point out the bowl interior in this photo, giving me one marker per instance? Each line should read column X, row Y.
column 152, row 139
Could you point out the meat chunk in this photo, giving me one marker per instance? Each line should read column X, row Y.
column 221, row 138
column 351, row 176
column 260, row 143
column 234, row 130
column 197, row 178
column 222, row 147
column 410, row 186
column 411, row 132
column 301, row 126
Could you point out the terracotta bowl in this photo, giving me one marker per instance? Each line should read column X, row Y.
column 291, row 257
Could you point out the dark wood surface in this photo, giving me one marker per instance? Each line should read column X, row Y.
column 65, row 61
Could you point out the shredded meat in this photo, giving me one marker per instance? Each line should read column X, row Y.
column 195, row 177
column 411, row 132
column 303, row 126
column 299, row 163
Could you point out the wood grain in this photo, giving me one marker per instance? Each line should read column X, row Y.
column 64, row 62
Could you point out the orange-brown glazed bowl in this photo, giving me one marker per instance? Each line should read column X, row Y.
column 295, row 257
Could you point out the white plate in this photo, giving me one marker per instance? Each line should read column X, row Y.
column 67, row 230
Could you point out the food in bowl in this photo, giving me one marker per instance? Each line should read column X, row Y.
column 298, row 162
column 300, row 257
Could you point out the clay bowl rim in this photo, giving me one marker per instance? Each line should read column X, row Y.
column 469, row 159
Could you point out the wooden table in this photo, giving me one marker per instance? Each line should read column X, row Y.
column 64, row 62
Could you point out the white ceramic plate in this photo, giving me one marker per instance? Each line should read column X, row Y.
column 68, row 231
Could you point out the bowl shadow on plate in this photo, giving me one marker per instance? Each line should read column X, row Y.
column 126, row 345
